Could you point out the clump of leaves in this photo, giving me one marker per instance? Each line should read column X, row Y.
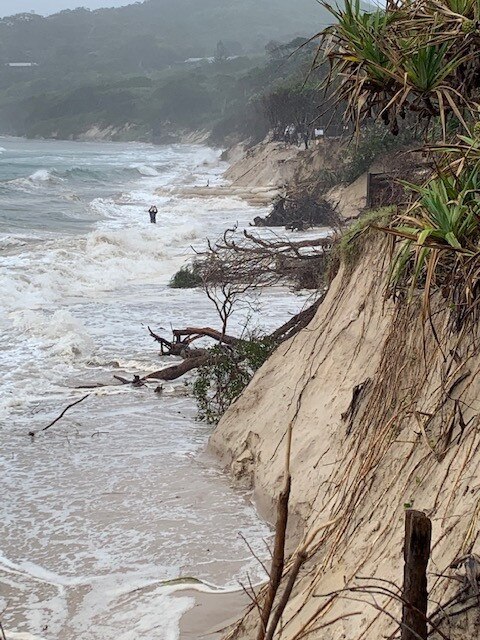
column 349, row 246
column 418, row 57
column 187, row 277
column 219, row 384
column 439, row 239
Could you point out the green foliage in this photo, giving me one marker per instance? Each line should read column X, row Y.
column 292, row 103
column 421, row 59
column 219, row 384
column 350, row 246
column 129, row 64
column 187, row 277
column 248, row 111
column 373, row 141
column 416, row 57
column 224, row 96
column 441, row 229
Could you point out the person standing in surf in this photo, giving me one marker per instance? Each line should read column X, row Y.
column 153, row 214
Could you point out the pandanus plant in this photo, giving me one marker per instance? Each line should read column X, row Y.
column 450, row 19
column 440, row 240
column 413, row 56
column 420, row 56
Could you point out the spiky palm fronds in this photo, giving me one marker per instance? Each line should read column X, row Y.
column 412, row 56
column 439, row 239
column 421, row 56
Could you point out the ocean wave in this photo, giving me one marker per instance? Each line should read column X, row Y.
column 99, row 262
column 48, row 178
column 42, row 175
column 90, row 175
column 38, row 179
column 145, row 170
column 62, row 334
column 83, row 173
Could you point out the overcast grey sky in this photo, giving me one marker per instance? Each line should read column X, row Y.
column 9, row 7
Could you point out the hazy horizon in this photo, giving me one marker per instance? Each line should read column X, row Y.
column 46, row 7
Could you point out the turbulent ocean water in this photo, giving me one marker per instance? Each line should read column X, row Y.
column 117, row 499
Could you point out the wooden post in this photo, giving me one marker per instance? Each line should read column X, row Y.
column 369, row 190
column 418, row 537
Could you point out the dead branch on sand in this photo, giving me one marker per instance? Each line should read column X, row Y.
column 33, row 433
column 247, row 258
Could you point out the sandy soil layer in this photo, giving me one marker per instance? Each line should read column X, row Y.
column 354, row 386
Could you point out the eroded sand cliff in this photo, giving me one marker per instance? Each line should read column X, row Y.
column 383, row 417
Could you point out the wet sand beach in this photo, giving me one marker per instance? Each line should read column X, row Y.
column 212, row 614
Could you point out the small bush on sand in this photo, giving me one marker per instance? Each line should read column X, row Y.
column 220, row 384
column 187, row 277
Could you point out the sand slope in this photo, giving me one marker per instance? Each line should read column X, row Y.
column 403, row 442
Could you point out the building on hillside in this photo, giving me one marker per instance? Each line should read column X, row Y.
column 21, row 64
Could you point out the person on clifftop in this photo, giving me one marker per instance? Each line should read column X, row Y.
column 153, row 214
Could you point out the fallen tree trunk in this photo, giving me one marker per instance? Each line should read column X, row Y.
column 180, row 369
column 189, row 334
column 296, row 324
column 196, row 358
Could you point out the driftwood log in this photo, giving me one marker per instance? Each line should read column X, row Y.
column 195, row 358
column 180, row 369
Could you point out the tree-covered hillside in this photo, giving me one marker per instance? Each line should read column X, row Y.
column 153, row 33
column 128, row 65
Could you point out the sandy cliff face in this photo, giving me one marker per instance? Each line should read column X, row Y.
column 382, row 418
column 266, row 164
column 273, row 164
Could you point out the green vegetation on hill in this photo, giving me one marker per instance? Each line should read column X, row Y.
column 149, row 34
column 128, row 65
column 229, row 97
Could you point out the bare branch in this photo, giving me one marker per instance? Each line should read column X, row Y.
column 32, row 433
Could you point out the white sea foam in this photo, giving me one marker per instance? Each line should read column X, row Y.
column 62, row 334
column 42, row 175
column 23, row 636
column 102, row 261
column 10, row 241
column 104, row 606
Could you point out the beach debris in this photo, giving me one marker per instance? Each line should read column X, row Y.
column 32, row 434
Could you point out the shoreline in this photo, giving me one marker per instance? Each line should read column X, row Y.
column 212, row 613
